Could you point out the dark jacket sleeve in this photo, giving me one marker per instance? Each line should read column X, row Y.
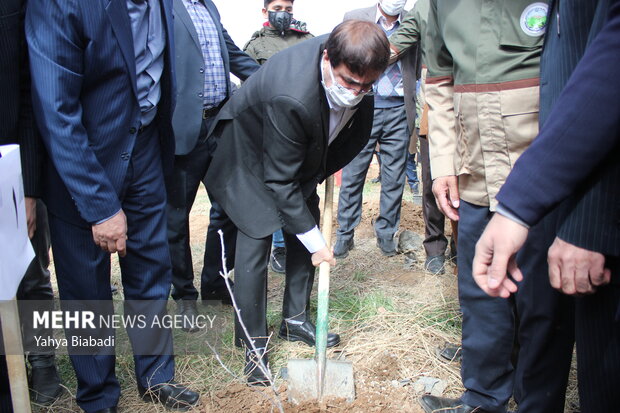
column 31, row 146
column 285, row 148
column 582, row 131
column 241, row 65
column 17, row 123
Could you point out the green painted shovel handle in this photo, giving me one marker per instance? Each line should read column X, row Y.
column 322, row 322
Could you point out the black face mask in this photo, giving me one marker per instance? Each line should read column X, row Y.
column 280, row 20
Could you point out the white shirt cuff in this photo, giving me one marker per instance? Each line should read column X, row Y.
column 500, row 209
column 312, row 240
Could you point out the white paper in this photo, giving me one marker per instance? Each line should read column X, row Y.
column 15, row 249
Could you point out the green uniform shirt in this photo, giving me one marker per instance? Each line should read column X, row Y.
column 267, row 41
column 482, row 89
column 412, row 29
column 504, row 40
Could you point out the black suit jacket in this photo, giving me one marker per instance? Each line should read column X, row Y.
column 17, row 123
column 272, row 141
column 576, row 157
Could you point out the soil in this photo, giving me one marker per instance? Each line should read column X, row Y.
column 374, row 397
column 382, row 383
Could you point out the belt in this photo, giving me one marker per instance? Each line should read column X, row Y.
column 211, row 112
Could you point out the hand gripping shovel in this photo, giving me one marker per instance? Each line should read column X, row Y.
column 321, row 378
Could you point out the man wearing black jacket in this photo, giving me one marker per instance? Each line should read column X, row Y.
column 300, row 118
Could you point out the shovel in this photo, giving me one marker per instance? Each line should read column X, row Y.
column 321, row 378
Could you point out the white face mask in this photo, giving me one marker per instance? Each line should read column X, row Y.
column 339, row 95
column 393, row 7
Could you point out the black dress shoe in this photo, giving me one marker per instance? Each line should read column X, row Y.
column 108, row 410
column 305, row 332
column 435, row 404
column 277, row 260
column 189, row 312
column 45, row 386
column 435, row 264
column 342, row 247
column 172, row 395
column 387, row 246
column 253, row 368
column 218, row 294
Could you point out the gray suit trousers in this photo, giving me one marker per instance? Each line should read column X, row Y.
column 390, row 130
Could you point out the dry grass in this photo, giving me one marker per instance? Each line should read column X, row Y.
column 391, row 320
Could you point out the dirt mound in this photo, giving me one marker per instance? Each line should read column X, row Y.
column 376, row 397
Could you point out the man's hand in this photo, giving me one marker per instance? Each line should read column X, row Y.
column 323, row 255
column 111, row 235
column 446, row 191
column 574, row 270
column 495, row 256
column 31, row 215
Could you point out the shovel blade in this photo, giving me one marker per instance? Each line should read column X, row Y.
column 303, row 380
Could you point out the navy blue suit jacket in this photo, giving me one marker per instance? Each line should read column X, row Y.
column 84, row 93
column 576, row 156
column 187, row 119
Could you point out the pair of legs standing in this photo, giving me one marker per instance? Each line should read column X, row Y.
column 390, row 131
column 521, row 346
column 83, row 273
column 189, row 171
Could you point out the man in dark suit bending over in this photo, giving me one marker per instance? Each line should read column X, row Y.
column 300, row 118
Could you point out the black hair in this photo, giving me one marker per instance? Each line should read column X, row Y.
column 268, row 2
column 361, row 45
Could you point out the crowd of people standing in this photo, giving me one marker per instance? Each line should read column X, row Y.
column 122, row 108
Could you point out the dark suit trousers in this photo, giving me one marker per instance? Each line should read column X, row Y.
column 251, row 279
column 435, row 242
column 598, row 347
column 83, row 272
column 537, row 320
column 189, row 171
column 36, row 283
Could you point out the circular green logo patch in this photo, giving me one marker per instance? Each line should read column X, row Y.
column 534, row 19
